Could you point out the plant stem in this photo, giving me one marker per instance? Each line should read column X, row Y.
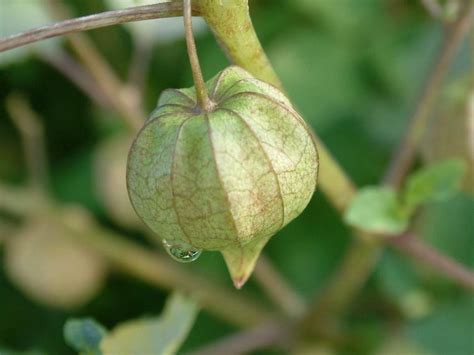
column 85, row 23
column 277, row 289
column 125, row 255
column 405, row 155
column 72, row 70
column 32, row 135
column 272, row 333
column 231, row 23
column 202, row 96
column 412, row 246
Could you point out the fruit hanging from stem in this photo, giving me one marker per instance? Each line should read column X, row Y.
column 223, row 166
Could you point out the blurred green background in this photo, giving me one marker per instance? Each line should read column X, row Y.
column 354, row 69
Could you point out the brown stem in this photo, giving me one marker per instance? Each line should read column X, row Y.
column 404, row 157
column 31, row 130
column 270, row 334
column 277, row 289
column 202, row 96
column 72, row 70
column 104, row 19
column 420, row 251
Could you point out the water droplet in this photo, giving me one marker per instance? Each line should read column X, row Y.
column 181, row 252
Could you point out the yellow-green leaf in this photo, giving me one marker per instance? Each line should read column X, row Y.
column 158, row 335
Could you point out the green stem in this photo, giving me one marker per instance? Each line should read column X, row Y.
column 202, row 96
column 231, row 23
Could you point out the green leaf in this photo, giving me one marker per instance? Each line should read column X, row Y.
column 433, row 183
column 84, row 335
column 159, row 335
column 376, row 209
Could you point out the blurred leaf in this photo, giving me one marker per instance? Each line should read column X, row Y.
column 433, row 183
column 376, row 209
column 84, row 335
column 159, row 335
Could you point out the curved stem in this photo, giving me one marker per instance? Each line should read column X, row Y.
column 85, row 23
column 202, row 96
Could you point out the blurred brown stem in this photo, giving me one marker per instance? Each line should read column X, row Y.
column 244, row 342
column 405, row 154
column 412, row 246
column 277, row 289
column 32, row 135
column 71, row 69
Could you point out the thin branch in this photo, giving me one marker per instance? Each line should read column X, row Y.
column 427, row 255
column 72, row 70
column 202, row 95
column 31, row 130
column 405, row 155
column 277, row 288
column 270, row 334
column 104, row 19
column 139, row 66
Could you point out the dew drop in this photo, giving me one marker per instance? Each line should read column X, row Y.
column 183, row 253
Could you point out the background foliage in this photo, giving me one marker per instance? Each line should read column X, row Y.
column 353, row 68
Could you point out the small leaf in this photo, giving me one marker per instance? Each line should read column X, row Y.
column 158, row 335
column 84, row 335
column 434, row 183
column 376, row 209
